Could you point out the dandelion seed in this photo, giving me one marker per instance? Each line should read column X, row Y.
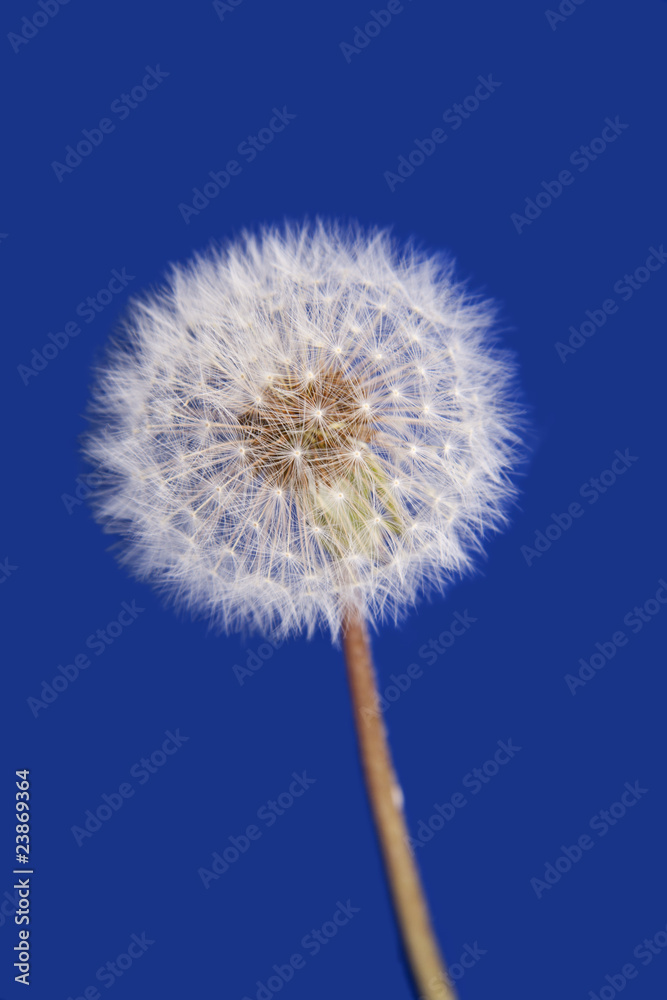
column 343, row 542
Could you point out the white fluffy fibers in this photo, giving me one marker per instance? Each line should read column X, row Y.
column 305, row 421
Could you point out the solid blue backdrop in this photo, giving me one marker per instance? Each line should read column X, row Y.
column 548, row 188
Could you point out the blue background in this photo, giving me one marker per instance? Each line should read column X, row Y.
column 505, row 678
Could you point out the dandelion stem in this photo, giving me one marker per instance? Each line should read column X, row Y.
column 423, row 953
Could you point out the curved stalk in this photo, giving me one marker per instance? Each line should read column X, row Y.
column 421, row 947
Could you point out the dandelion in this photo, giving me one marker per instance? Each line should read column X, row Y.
column 305, row 429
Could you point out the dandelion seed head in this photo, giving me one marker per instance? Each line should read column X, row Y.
column 304, row 421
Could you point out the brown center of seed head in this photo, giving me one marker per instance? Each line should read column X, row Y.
column 305, row 429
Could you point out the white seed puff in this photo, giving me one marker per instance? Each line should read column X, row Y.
column 305, row 420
